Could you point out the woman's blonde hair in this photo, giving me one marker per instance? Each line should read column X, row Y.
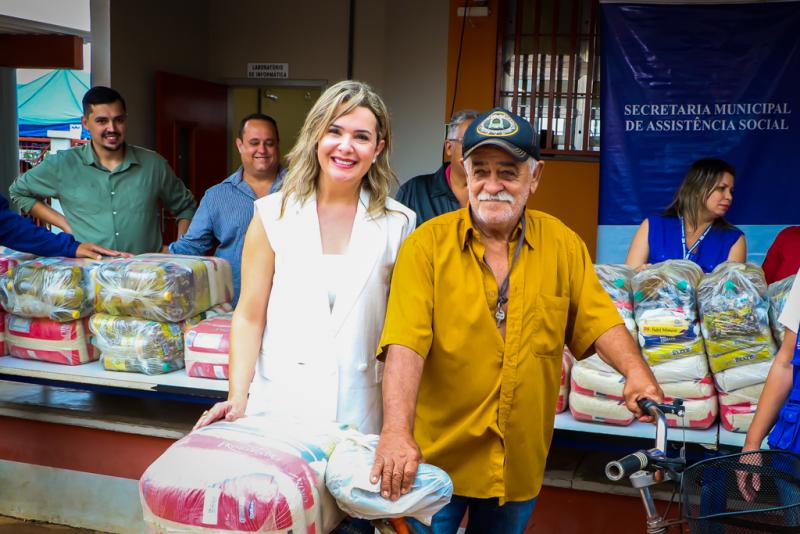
column 697, row 186
column 340, row 99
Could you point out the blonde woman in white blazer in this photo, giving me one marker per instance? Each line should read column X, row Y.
column 316, row 268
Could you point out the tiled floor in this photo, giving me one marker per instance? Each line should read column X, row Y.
column 9, row 525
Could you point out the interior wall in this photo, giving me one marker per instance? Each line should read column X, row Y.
column 415, row 83
column 152, row 35
column 399, row 48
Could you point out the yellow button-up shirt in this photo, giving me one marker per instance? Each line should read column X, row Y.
column 486, row 405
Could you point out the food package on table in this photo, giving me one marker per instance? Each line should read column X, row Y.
column 10, row 258
column 257, row 474
column 611, row 385
column 738, row 407
column 737, row 417
column 744, row 396
column 58, row 288
column 777, row 293
column 665, row 308
column 567, row 361
column 737, row 378
column 700, row 413
column 735, row 316
column 162, row 287
column 616, row 280
column 692, row 368
column 347, row 478
column 39, row 338
column 598, row 409
column 138, row 345
column 207, row 345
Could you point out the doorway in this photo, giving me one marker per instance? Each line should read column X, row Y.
column 288, row 105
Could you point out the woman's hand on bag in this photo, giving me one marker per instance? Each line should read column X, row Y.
column 749, row 483
column 230, row 410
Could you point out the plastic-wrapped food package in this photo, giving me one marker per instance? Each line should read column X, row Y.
column 611, row 385
column 567, row 361
column 347, row 478
column 131, row 344
column 700, row 413
column 737, row 417
column 680, row 370
column 616, row 280
column 738, row 407
column 162, row 287
column 746, row 395
column 207, row 346
column 598, row 409
column 49, row 341
column 737, row 378
column 665, row 308
column 138, row 345
column 257, row 474
column 58, row 288
column 735, row 316
column 10, row 258
column 777, row 293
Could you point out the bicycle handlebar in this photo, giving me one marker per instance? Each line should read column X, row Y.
column 640, row 460
column 625, row 467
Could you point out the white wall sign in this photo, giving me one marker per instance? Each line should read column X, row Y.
column 268, row 70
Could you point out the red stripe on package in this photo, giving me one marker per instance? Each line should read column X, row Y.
column 206, row 348
column 257, row 474
column 49, row 341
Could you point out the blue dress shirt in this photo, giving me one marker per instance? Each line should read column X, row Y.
column 224, row 213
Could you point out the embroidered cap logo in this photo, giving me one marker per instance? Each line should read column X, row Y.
column 498, row 124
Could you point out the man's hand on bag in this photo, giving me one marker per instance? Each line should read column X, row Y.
column 641, row 384
column 96, row 252
column 396, row 461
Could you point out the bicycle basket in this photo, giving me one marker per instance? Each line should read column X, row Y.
column 713, row 502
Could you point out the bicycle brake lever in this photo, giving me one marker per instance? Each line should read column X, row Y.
column 676, row 407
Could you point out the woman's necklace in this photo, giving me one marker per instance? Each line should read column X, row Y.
column 691, row 253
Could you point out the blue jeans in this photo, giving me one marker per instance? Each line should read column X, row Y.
column 485, row 515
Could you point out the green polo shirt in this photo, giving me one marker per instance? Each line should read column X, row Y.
column 116, row 209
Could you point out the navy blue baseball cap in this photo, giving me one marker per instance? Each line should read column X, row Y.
column 503, row 129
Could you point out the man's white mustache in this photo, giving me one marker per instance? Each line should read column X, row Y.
column 502, row 196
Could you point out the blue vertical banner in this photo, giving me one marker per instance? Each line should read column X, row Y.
column 683, row 82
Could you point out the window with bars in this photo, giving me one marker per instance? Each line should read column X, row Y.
column 550, row 71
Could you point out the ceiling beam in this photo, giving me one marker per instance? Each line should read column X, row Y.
column 26, row 51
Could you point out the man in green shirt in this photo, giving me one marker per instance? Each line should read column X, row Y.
column 108, row 190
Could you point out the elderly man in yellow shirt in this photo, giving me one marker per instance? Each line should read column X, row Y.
column 482, row 302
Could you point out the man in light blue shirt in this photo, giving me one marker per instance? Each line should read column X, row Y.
column 226, row 209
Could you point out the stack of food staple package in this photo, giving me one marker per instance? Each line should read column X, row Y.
column 735, row 320
column 9, row 259
column 48, row 301
column 658, row 306
column 145, row 303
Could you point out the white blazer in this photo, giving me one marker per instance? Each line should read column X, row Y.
column 316, row 362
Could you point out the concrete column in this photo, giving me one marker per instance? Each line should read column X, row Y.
column 100, row 21
column 9, row 132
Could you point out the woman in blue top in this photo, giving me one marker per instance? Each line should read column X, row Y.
column 693, row 227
